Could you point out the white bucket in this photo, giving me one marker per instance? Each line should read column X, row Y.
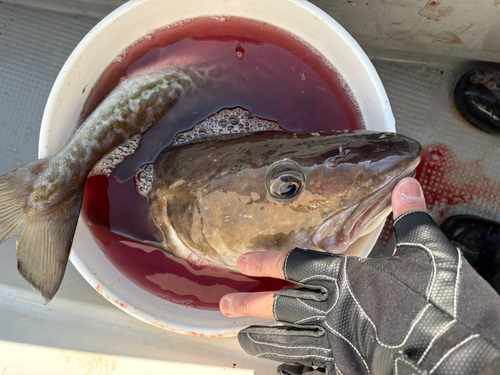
column 131, row 22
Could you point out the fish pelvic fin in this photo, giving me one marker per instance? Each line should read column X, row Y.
column 45, row 233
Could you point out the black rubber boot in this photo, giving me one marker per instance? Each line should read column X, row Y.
column 476, row 98
column 479, row 241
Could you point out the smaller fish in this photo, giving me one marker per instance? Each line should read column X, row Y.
column 41, row 201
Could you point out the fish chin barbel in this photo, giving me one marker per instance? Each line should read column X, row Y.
column 41, row 201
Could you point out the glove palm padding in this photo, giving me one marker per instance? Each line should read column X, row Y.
column 424, row 310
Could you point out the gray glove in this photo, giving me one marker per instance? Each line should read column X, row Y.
column 422, row 311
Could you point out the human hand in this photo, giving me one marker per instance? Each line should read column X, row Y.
column 423, row 310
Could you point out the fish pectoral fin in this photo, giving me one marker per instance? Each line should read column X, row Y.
column 154, row 237
column 158, row 244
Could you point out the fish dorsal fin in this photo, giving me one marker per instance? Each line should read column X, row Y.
column 226, row 121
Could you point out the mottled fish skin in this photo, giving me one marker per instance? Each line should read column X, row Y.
column 42, row 200
column 211, row 198
column 131, row 109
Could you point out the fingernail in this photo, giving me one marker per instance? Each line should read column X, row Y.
column 243, row 264
column 226, row 306
column 409, row 189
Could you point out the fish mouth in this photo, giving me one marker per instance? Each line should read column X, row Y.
column 366, row 216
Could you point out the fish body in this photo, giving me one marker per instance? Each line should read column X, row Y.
column 41, row 201
column 215, row 198
column 274, row 190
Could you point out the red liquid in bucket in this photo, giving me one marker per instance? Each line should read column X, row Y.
column 251, row 65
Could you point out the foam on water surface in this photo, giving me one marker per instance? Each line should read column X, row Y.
column 144, row 178
column 226, row 121
column 109, row 162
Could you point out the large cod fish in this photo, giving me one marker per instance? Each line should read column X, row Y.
column 214, row 198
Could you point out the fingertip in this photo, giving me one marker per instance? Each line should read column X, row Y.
column 262, row 263
column 226, row 306
column 243, row 263
column 258, row 304
column 407, row 196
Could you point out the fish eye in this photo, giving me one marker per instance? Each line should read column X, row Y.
column 285, row 180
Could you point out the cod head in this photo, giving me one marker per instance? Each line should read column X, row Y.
column 271, row 191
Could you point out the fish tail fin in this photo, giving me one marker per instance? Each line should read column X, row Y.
column 45, row 234
column 10, row 209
